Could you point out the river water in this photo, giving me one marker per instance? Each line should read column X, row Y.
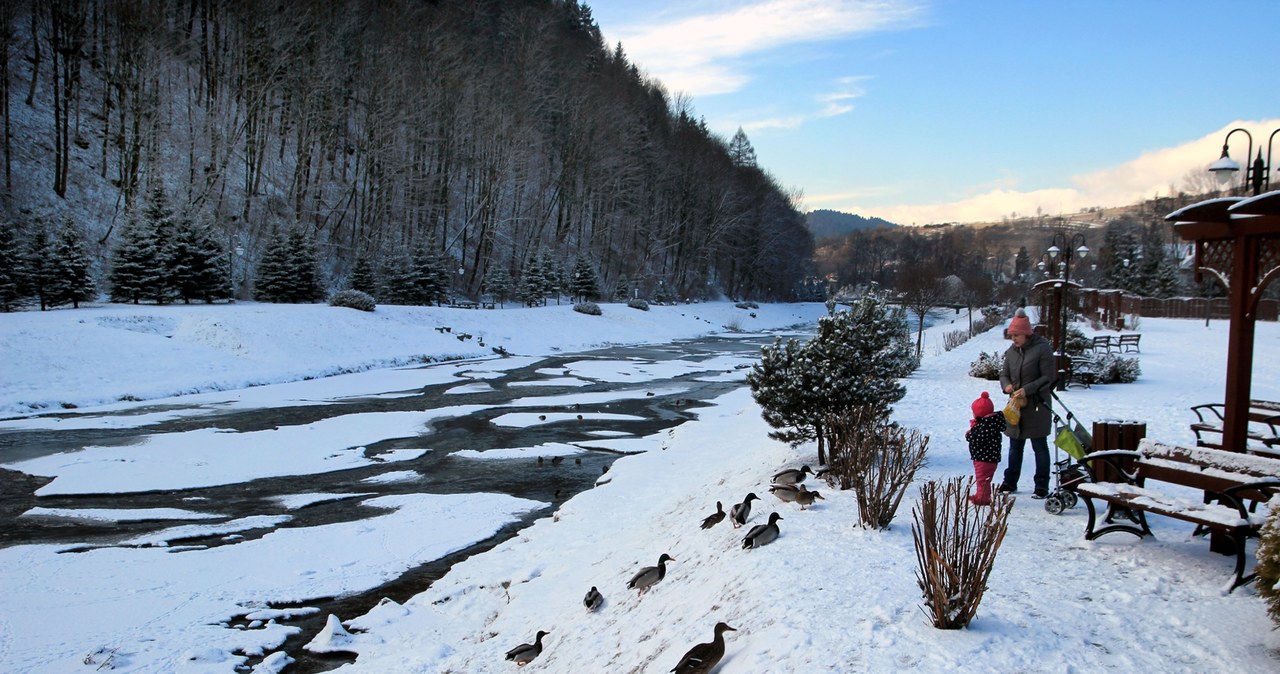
column 675, row 379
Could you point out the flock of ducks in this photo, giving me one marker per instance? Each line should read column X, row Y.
column 703, row 657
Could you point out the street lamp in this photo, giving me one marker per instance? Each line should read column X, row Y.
column 1258, row 174
column 1068, row 245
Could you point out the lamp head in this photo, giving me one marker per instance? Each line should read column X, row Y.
column 1082, row 252
column 1225, row 168
column 1054, row 250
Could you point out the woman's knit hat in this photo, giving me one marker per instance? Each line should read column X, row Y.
column 983, row 406
column 1020, row 325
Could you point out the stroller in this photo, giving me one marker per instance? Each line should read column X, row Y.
column 1071, row 437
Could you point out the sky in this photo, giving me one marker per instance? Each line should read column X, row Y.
column 923, row 111
column 826, row 596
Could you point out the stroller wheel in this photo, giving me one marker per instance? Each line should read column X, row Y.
column 1053, row 504
column 1070, row 499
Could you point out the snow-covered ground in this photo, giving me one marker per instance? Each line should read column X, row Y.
column 827, row 596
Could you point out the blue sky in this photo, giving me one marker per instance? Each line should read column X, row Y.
column 924, row 111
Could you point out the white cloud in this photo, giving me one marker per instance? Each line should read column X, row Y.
column 699, row 54
column 1151, row 174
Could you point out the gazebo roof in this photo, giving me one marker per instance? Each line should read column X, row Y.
column 1228, row 217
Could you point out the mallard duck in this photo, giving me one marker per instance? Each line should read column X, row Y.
column 594, row 600
column 792, row 475
column 650, row 575
column 740, row 513
column 522, row 654
column 704, row 657
column 785, row 492
column 805, row 498
column 762, row 534
column 714, row 518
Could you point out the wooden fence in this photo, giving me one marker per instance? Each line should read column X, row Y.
column 1110, row 307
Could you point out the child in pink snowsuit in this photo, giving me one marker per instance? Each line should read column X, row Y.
column 985, row 436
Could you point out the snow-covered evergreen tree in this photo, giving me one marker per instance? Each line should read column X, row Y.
column 198, row 263
column 533, row 284
column 41, row 277
column 70, row 268
column 855, row 360
column 304, row 268
column 584, row 285
column 164, row 232
column 497, row 283
column 135, row 270
column 362, row 276
column 398, row 286
column 12, row 265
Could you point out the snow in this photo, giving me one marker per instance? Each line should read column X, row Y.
column 826, row 596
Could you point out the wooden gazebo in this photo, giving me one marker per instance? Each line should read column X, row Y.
column 1237, row 241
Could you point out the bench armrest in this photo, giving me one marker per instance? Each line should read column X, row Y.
column 1216, row 408
column 1114, row 459
column 1270, row 485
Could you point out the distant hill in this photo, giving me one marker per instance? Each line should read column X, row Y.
column 826, row 224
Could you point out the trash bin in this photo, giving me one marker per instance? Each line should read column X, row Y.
column 1115, row 434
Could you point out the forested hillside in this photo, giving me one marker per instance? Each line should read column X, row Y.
column 486, row 136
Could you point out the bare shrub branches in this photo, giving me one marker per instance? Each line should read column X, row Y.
column 875, row 459
column 956, row 545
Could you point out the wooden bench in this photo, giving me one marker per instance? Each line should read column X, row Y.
column 1232, row 483
column 1264, row 420
column 1128, row 343
column 1081, row 372
column 1101, row 343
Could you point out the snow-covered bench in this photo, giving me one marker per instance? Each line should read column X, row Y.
column 1232, row 484
column 1264, row 424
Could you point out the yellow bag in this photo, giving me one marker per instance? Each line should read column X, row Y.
column 1013, row 409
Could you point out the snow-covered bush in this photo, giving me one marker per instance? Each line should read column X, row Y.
column 588, row 308
column 747, row 305
column 1268, row 569
column 637, row 303
column 1115, row 369
column 875, row 459
column 353, row 299
column 956, row 545
column 987, row 366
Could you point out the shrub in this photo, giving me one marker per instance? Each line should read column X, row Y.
column 1077, row 342
column 1268, row 569
column 588, row 308
column 875, row 459
column 987, row 366
column 951, row 340
column 353, row 299
column 747, row 305
column 956, row 545
column 1115, row 369
column 637, row 303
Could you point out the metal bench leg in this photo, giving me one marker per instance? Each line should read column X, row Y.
column 1238, row 537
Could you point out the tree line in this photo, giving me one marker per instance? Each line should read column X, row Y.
column 485, row 135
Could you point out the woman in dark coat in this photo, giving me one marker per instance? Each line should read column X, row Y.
column 1028, row 371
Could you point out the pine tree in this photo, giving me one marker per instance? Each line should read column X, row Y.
column 855, row 360
column 72, row 278
column 398, row 286
column 583, row 284
column 740, row 151
column 533, row 284
column 198, row 264
column 273, row 283
column 622, row 291
column 135, row 272
column 304, row 270
column 165, row 235
column 362, row 276
column 41, row 278
column 497, row 282
column 12, row 265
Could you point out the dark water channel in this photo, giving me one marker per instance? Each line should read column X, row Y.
column 440, row 472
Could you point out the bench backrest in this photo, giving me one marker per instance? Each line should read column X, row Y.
column 1203, row 468
column 1130, row 339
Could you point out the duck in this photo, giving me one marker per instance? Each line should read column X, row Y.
column 785, row 492
column 557, row 460
column 792, row 475
column 650, row 575
column 714, row 518
column 594, row 600
column 524, row 653
column 702, row 658
column 762, row 534
column 740, row 513
column 806, row 497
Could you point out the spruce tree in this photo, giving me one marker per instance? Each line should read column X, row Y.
column 497, row 282
column 199, row 264
column 304, row 269
column 583, row 285
column 41, row 276
column 12, row 265
column 855, row 360
column 164, row 233
column 273, row 282
column 362, row 276
column 533, row 284
column 398, row 286
column 135, row 272
column 71, row 275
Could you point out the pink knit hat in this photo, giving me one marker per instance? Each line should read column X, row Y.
column 1020, row 325
column 982, row 406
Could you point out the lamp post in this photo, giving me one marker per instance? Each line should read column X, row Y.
column 1069, row 248
column 1257, row 174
